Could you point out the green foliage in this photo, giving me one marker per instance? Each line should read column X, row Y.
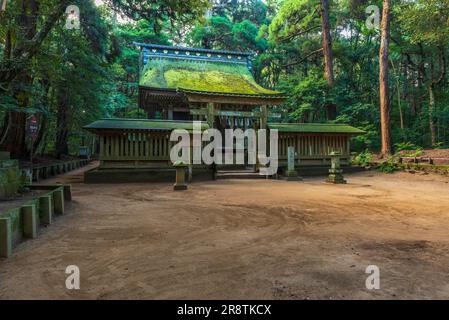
column 408, row 149
column 441, row 145
column 294, row 17
column 94, row 71
column 221, row 33
column 254, row 10
column 406, row 146
column 426, row 21
column 161, row 11
column 417, row 55
column 388, row 166
column 307, row 99
column 77, row 76
column 364, row 158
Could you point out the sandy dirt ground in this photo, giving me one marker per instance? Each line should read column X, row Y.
column 238, row 239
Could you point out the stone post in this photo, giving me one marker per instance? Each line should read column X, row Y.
column 335, row 172
column 291, row 173
column 180, row 183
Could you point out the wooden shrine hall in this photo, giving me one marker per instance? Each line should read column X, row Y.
column 180, row 85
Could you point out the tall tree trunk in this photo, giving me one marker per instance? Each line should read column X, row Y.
column 398, row 89
column 42, row 130
column 331, row 109
column 14, row 139
column 432, row 105
column 47, row 101
column 327, row 43
column 62, row 123
column 383, row 81
column 433, row 139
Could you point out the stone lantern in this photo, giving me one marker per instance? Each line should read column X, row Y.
column 180, row 183
column 335, row 172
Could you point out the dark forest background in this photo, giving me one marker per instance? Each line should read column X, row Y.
column 69, row 78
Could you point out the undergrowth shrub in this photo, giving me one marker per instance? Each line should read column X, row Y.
column 364, row 158
column 387, row 166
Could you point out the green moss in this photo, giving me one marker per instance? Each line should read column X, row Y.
column 140, row 124
column 16, row 218
column 149, row 78
column 201, row 76
column 315, row 128
column 10, row 178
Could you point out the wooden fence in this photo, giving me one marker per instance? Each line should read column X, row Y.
column 135, row 146
column 126, row 149
column 310, row 147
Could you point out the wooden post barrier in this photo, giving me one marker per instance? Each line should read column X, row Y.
column 58, row 201
column 46, row 209
column 5, row 237
column 29, row 217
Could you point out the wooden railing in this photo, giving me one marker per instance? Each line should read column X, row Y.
column 135, row 146
column 152, row 148
column 313, row 146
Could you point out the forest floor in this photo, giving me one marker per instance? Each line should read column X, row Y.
column 439, row 156
column 430, row 153
column 237, row 239
column 436, row 153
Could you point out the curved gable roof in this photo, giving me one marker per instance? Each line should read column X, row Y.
column 200, row 71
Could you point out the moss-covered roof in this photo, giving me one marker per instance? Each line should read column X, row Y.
column 141, row 124
column 315, row 128
column 168, row 125
column 202, row 76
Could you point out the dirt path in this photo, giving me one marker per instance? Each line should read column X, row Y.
column 243, row 239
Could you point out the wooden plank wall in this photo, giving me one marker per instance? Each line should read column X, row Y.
column 135, row 146
column 155, row 146
column 313, row 145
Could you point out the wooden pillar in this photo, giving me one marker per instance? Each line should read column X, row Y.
column 263, row 117
column 211, row 114
column 256, row 166
column 348, row 145
column 101, row 146
column 263, row 125
column 211, row 122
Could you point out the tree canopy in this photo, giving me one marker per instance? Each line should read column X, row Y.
column 71, row 77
